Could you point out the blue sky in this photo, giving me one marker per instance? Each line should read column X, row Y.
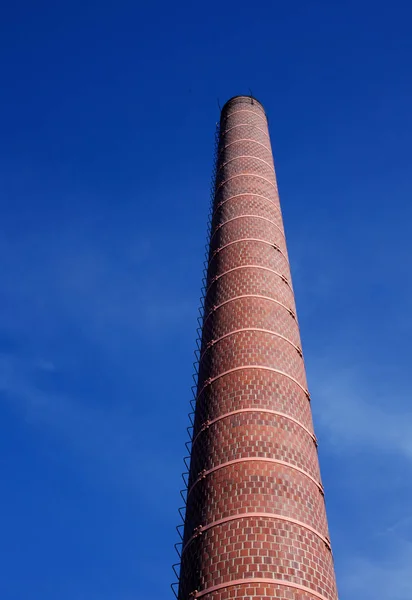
column 107, row 121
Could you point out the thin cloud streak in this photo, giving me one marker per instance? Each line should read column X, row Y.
column 100, row 286
column 371, row 420
column 107, row 441
column 347, row 411
column 388, row 579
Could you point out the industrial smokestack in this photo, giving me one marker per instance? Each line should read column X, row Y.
column 255, row 523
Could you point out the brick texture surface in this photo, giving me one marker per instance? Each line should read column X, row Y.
column 255, row 524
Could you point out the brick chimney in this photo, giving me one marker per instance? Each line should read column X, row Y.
column 255, row 522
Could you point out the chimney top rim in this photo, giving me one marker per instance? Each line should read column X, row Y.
column 250, row 97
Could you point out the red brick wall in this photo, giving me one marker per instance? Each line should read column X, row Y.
column 255, row 524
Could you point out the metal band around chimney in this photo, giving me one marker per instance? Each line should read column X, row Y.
column 219, row 227
column 236, row 196
column 259, row 367
column 255, row 515
column 268, row 298
column 256, row 581
column 217, row 277
column 264, row 411
column 262, row 459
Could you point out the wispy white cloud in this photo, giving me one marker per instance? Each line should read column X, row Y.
column 352, row 412
column 388, row 579
column 108, row 441
column 70, row 292
column 105, row 287
column 368, row 419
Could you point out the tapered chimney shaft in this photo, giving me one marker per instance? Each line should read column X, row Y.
column 255, row 522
